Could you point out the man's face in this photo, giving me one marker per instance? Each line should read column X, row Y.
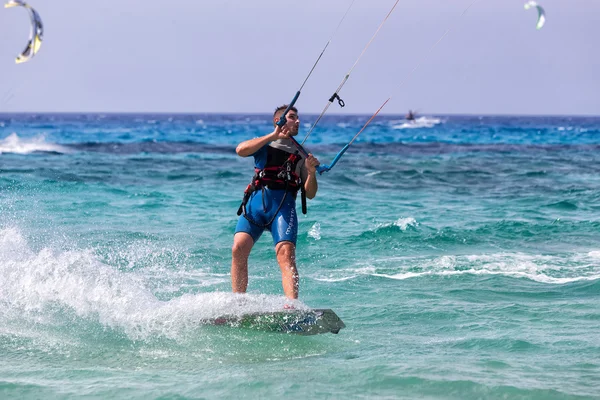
column 293, row 122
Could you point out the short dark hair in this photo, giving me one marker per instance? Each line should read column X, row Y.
column 283, row 108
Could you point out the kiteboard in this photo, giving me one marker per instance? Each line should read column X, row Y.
column 300, row 322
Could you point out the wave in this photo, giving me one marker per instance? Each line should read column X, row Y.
column 563, row 205
column 547, row 269
column 408, row 230
column 14, row 144
column 402, row 223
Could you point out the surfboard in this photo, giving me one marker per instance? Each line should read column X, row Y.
column 300, row 322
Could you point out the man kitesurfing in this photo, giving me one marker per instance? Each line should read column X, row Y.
column 270, row 200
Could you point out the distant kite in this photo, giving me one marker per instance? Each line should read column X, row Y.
column 36, row 34
column 541, row 13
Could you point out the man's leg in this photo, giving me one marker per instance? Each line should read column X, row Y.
column 242, row 244
column 286, row 257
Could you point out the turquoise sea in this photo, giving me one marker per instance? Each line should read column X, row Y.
column 462, row 252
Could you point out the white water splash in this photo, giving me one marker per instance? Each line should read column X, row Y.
column 404, row 223
column 315, row 231
column 42, row 285
column 421, row 122
column 14, row 144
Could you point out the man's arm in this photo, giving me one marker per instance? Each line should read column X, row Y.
column 249, row 147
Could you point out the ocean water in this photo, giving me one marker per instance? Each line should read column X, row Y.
column 462, row 252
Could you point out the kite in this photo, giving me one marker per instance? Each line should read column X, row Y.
column 541, row 13
column 36, row 35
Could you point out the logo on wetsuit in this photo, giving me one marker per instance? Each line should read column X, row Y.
column 291, row 222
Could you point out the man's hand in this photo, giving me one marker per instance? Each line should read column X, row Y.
column 311, row 164
column 280, row 133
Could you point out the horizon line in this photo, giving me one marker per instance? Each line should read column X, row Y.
column 432, row 114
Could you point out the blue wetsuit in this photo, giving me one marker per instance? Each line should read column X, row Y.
column 272, row 203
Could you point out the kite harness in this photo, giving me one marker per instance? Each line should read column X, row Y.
column 275, row 177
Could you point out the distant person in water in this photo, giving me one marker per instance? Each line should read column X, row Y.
column 411, row 116
column 270, row 200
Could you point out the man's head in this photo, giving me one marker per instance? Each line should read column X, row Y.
column 293, row 122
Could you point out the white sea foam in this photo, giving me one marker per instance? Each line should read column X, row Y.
column 402, row 223
column 334, row 278
column 539, row 277
column 14, row 144
column 344, row 274
column 373, row 173
column 548, row 269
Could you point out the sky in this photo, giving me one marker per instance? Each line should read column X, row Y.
column 248, row 56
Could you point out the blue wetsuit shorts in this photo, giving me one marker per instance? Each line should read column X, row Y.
column 261, row 209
